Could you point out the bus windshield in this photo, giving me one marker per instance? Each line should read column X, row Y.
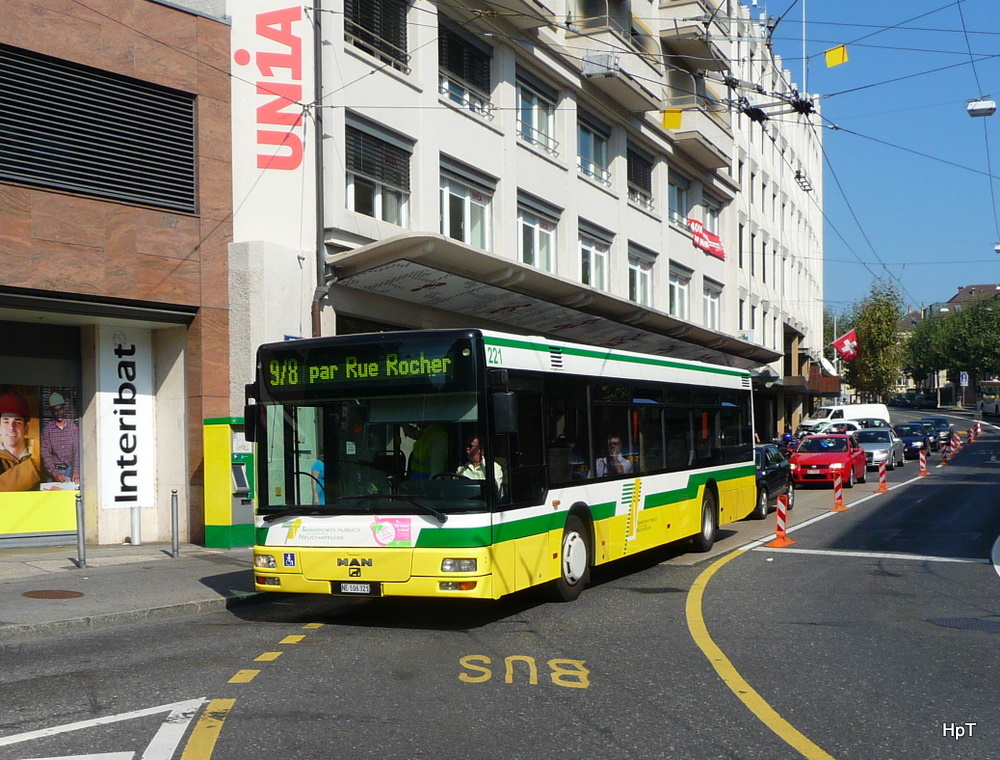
column 379, row 427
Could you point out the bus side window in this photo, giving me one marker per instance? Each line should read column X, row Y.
column 566, row 430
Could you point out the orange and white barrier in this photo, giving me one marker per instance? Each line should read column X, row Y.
column 923, row 463
column 838, row 493
column 781, row 537
column 945, row 451
column 883, row 486
column 956, row 443
column 970, row 437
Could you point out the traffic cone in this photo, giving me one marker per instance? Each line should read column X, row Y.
column 838, row 494
column 781, row 539
column 945, row 449
column 883, row 486
column 923, row 463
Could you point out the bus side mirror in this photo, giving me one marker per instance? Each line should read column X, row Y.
column 250, row 422
column 504, row 412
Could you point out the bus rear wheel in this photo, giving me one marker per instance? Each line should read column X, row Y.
column 574, row 561
column 706, row 537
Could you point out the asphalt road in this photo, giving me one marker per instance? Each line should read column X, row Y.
column 874, row 636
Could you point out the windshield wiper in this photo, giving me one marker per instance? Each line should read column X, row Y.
column 441, row 517
column 292, row 512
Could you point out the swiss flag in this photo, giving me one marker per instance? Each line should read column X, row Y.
column 847, row 346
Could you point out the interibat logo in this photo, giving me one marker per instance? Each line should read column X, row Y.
column 277, row 58
column 124, row 409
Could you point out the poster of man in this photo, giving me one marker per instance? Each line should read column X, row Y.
column 20, row 468
column 60, row 437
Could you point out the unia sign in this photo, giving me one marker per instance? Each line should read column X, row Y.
column 278, row 88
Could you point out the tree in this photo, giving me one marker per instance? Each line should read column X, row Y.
column 880, row 353
column 967, row 341
column 974, row 339
column 926, row 350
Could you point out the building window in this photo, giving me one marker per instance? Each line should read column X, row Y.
column 713, row 211
column 711, row 304
column 680, row 284
column 740, row 246
column 592, row 158
column 465, row 210
column 763, row 261
column 464, row 75
column 753, row 256
column 536, row 118
column 678, row 199
column 594, row 254
column 537, row 242
column 743, row 308
column 378, row 175
column 82, row 130
column 640, row 178
column 378, row 27
column 640, row 276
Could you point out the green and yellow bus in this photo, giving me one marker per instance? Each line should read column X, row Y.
column 473, row 464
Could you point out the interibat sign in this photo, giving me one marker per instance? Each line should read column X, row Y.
column 273, row 122
column 127, row 420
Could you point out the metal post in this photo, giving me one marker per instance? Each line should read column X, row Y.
column 174, row 525
column 81, row 543
column 136, row 526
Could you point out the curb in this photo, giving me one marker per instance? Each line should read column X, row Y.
column 20, row 631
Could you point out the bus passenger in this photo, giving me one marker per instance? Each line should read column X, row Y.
column 430, row 450
column 613, row 463
column 475, row 467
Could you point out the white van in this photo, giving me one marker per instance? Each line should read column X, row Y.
column 843, row 412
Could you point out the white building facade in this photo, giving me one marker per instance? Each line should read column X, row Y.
column 577, row 168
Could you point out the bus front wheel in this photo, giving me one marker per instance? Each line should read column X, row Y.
column 574, row 561
column 706, row 537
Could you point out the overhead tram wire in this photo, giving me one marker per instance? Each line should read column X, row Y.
column 986, row 132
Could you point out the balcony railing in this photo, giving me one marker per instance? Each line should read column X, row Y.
column 537, row 138
column 376, row 46
column 640, row 197
column 464, row 95
column 593, row 170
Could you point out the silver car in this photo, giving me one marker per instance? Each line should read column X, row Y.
column 881, row 445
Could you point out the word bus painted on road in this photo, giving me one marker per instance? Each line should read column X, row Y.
column 474, row 464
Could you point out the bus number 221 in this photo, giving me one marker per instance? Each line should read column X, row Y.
column 493, row 355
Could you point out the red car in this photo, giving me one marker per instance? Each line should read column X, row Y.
column 819, row 458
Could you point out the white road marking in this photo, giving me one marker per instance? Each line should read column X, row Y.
column 162, row 747
column 879, row 555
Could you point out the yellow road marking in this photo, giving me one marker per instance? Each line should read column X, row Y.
column 739, row 686
column 244, row 676
column 313, row 625
column 292, row 639
column 268, row 657
column 206, row 731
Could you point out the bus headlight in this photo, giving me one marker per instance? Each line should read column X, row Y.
column 266, row 561
column 455, row 565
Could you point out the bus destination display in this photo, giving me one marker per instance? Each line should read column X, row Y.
column 293, row 371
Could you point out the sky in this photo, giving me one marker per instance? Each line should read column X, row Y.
column 908, row 193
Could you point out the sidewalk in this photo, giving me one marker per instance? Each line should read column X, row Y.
column 42, row 590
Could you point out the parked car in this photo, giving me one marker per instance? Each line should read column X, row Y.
column 881, row 445
column 837, row 426
column 915, row 438
column 774, row 478
column 820, row 458
column 945, row 430
column 872, row 422
column 931, row 429
column 925, row 401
